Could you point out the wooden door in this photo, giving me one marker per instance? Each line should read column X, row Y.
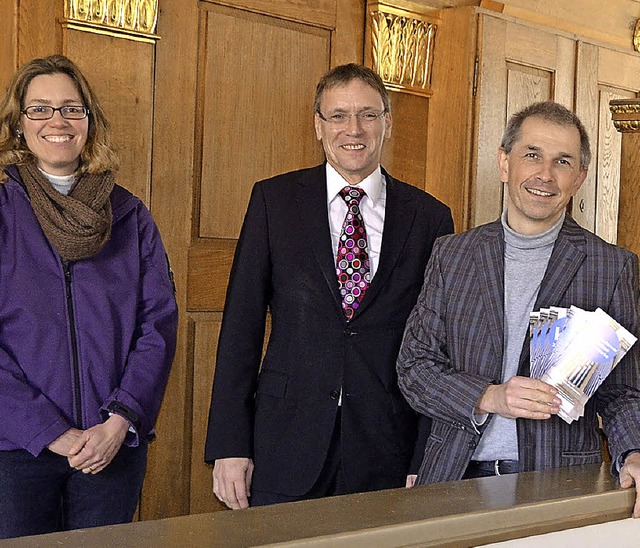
column 602, row 74
column 518, row 64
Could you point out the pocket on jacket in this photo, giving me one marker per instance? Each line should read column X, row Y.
column 571, row 458
column 272, row 383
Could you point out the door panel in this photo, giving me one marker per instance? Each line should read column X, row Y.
column 602, row 75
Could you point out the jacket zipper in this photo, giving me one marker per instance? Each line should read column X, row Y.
column 74, row 344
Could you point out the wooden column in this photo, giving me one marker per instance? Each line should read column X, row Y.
column 626, row 118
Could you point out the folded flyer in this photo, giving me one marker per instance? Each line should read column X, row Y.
column 574, row 350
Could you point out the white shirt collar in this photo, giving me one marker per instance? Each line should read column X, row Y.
column 372, row 184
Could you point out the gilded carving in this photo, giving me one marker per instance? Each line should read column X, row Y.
column 402, row 48
column 626, row 114
column 636, row 36
column 129, row 15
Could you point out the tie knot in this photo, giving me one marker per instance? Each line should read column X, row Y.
column 352, row 194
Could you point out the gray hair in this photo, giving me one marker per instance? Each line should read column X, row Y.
column 548, row 111
column 343, row 74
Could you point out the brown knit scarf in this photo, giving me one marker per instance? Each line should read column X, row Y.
column 78, row 225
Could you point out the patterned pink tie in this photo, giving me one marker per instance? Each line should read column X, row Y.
column 352, row 260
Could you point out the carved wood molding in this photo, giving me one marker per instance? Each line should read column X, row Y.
column 626, row 114
column 402, row 45
column 134, row 19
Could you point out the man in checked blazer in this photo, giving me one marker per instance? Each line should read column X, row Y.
column 324, row 415
column 464, row 360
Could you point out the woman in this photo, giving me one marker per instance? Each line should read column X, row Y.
column 87, row 312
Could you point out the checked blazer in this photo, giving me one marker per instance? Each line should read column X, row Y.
column 281, row 411
column 453, row 348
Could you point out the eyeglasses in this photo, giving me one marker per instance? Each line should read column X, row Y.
column 44, row 112
column 341, row 119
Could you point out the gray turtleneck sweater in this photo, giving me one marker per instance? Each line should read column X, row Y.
column 525, row 262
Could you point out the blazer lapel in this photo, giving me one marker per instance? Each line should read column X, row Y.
column 311, row 197
column 566, row 259
column 398, row 219
column 489, row 259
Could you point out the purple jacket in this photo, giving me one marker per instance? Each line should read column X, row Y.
column 83, row 339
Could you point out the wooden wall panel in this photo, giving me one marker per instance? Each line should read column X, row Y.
column 405, row 153
column 209, row 266
column 629, row 220
column 583, row 207
column 607, row 149
column 608, row 21
column 8, row 41
column 449, row 149
column 259, row 77
column 38, row 32
column 204, row 330
column 167, row 483
column 321, row 13
column 518, row 65
column 125, row 91
column 347, row 40
column 602, row 74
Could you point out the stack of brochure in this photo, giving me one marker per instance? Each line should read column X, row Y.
column 574, row 350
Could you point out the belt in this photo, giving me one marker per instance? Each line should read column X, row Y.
column 495, row 467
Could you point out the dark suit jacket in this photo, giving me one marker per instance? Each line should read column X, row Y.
column 453, row 348
column 283, row 418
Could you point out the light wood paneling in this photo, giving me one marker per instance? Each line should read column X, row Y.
column 209, row 267
column 259, row 77
column 519, row 65
column 126, row 95
column 449, row 149
column 347, row 40
column 608, row 167
column 602, row 74
column 608, row 21
column 39, row 34
column 8, row 41
column 203, row 339
column 629, row 219
column 587, row 108
column 405, row 153
column 321, row 13
column 167, row 483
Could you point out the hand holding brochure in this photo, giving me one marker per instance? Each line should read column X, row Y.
column 574, row 350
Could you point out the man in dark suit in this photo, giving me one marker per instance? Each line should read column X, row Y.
column 464, row 360
column 337, row 254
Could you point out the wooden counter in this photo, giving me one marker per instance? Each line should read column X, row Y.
column 463, row 513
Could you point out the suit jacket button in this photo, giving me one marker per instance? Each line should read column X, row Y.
column 348, row 332
column 335, row 394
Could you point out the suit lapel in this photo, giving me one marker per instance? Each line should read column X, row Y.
column 565, row 261
column 489, row 259
column 398, row 219
column 311, row 198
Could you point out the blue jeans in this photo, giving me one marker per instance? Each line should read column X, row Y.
column 44, row 494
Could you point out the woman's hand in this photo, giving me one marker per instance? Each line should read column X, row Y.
column 62, row 445
column 96, row 447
